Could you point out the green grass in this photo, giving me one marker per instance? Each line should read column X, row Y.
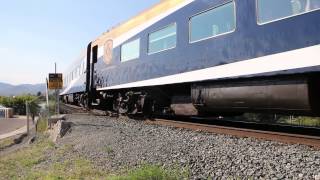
column 31, row 163
column 18, row 165
column 42, row 125
column 22, row 164
column 109, row 150
column 52, row 107
column 77, row 168
column 276, row 119
column 152, row 172
column 302, row 120
column 6, row 142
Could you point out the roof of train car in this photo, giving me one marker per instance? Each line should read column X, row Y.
column 151, row 13
column 76, row 62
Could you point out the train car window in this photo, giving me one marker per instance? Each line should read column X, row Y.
column 163, row 39
column 214, row 22
column 130, row 50
column 274, row 10
column 84, row 66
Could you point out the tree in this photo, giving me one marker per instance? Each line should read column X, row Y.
column 18, row 103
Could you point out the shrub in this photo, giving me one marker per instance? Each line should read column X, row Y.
column 18, row 103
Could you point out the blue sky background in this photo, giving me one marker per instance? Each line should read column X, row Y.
column 36, row 33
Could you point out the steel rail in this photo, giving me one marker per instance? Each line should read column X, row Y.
column 226, row 129
column 288, row 138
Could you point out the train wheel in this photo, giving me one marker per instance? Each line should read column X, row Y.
column 123, row 109
column 148, row 108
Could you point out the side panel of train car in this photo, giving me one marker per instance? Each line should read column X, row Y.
column 213, row 57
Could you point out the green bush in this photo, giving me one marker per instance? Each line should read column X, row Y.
column 18, row 103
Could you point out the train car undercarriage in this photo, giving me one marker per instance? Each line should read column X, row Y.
column 290, row 95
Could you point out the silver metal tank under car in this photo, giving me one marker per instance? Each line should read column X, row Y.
column 299, row 95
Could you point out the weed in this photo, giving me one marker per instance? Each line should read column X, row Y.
column 147, row 172
column 42, row 125
column 109, row 150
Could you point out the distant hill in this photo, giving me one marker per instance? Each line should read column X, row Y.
column 14, row 90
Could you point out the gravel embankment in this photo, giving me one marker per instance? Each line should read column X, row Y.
column 117, row 143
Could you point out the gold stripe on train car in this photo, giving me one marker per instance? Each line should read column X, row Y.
column 143, row 17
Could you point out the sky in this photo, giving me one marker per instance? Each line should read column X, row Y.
column 34, row 34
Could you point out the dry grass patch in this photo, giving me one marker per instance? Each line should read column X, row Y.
column 6, row 142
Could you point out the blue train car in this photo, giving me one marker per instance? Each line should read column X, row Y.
column 204, row 57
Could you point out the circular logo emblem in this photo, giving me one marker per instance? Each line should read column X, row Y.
column 108, row 48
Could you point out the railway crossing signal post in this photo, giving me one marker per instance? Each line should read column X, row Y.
column 56, row 83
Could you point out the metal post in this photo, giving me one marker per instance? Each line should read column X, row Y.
column 55, row 71
column 57, row 93
column 47, row 93
column 58, row 102
column 47, row 111
column 27, row 113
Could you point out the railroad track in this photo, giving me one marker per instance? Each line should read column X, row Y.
column 289, row 138
column 71, row 109
column 281, row 133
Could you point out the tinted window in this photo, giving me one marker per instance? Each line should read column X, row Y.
column 130, row 50
column 163, row 39
column 270, row 10
column 214, row 22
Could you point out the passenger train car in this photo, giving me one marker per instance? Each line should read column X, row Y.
column 205, row 57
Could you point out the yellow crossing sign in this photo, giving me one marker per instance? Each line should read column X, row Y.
column 55, row 81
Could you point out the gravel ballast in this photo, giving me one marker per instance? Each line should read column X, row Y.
column 114, row 144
